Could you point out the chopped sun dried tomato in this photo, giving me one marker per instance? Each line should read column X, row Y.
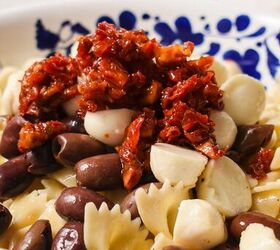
column 34, row 135
column 134, row 151
column 47, row 84
column 123, row 68
column 116, row 68
column 184, row 126
column 260, row 165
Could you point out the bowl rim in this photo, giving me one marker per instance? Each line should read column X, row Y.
column 271, row 7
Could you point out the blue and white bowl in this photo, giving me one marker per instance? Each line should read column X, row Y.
column 245, row 32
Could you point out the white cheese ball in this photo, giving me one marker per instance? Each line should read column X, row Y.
column 108, row 126
column 225, row 186
column 221, row 74
column 225, row 128
column 244, row 99
column 258, row 237
column 199, row 225
column 232, row 68
column 174, row 164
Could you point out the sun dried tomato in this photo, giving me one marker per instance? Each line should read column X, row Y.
column 47, row 84
column 184, row 126
column 198, row 92
column 123, row 68
column 34, row 135
column 260, row 165
column 135, row 150
column 116, row 68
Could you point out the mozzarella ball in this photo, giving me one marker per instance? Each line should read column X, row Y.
column 108, row 126
column 225, row 186
column 174, row 164
column 199, row 225
column 221, row 74
column 232, row 68
column 225, row 128
column 258, row 237
column 244, row 99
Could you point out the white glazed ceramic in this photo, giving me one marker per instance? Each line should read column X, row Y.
column 247, row 32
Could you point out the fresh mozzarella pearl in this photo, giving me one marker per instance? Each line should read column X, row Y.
column 108, row 126
column 225, row 128
column 225, row 186
column 232, row 68
column 10, row 97
column 71, row 106
column 244, row 99
column 199, row 225
column 172, row 163
column 221, row 74
column 258, row 237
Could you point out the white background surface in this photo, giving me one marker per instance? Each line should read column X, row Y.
column 274, row 5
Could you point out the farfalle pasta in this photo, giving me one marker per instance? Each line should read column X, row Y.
column 27, row 208
column 65, row 176
column 52, row 188
column 113, row 230
column 163, row 206
column 51, row 215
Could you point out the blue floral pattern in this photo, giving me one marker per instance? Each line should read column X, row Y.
column 208, row 40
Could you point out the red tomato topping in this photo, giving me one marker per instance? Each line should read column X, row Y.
column 124, row 69
column 135, row 150
column 47, row 84
column 34, row 135
column 260, row 165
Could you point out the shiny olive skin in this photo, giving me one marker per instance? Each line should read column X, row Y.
column 248, row 141
column 69, row 148
column 70, row 237
column 38, row 237
column 129, row 202
column 250, row 138
column 101, row 172
column 14, row 177
column 10, row 136
column 5, row 219
column 241, row 221
column 75, row 125
column 41, row 160
column 72, row 201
